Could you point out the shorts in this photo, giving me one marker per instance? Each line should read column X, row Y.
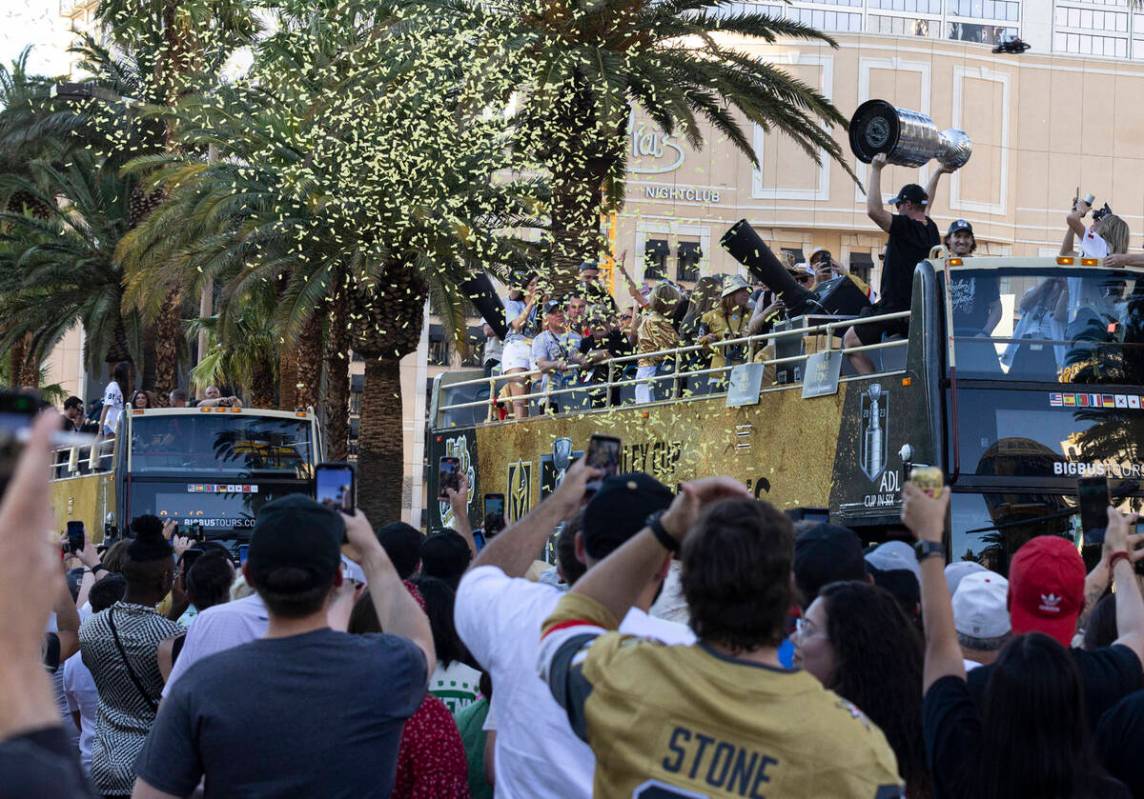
column 517, row 355
column 874, row 332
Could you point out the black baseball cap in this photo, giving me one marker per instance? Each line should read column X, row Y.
column 911, row 193
column 959, row 225
column 295, row 532
column 826, row 554
column 619, row 510
column 587, row 265
column 552, row 306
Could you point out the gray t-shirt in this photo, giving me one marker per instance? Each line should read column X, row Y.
column 318, row 714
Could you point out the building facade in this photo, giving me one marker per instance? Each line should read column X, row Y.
column 1043, row 127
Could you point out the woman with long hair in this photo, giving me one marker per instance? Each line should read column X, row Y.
column 856, row 639
column 1030, row 736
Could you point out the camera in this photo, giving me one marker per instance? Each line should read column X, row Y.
column 1100, row 213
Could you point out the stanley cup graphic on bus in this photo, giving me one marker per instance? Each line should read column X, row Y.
column 873, row 454
column 908, row 138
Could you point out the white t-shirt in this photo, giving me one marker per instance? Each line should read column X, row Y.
column 457, row 685
column 537, row 754
column 219, row 628
column 113, row 401
column 82, row 695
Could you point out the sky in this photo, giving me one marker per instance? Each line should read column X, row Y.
column 35, row 22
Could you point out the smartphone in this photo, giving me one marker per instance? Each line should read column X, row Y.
column 448, row 476
column 604, row 454
column 197, row 532
column 243, row 551
column 336, row 486
column 494, row 514
column 76, row 538
column 1094, row 501
column 16, row 413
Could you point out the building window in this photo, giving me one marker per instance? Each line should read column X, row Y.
column 792, row 256
column 474, row 358
column 438, row 346
column 861, row 265
column 980, row 34
column 903, row 26
column 689, row 255
column 655, row 259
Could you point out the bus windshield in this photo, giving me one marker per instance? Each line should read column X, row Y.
column 1052, row 324
column 237, row 445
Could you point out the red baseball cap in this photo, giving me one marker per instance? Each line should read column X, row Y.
column 1046, row 588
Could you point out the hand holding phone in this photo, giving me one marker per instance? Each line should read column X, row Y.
column 335, row 486
column 448, row 476
column 494, row 514
column 604, row 454
column 77, row 540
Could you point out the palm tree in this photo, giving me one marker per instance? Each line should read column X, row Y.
column 583, row 67
column 61, row 270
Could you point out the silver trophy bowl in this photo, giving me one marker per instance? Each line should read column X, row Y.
column 908, row 138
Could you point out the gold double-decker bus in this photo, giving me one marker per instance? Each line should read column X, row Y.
column 1012, row 415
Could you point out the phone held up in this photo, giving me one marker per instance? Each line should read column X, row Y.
column 494, row 514
column 1093, row 499
column 335, row 486
column 449, row 476
column 603, row 454
column 76, row 538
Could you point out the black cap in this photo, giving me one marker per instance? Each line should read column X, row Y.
column 959, row 225
column 586, row 265
column 553, row 305
column 912, row 193
column 296, row 532
column 402, row 543
column 446, row 556
column 619, row 510
column 826, row 554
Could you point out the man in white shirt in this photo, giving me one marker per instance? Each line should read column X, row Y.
column 499, row 614
column 220, row 628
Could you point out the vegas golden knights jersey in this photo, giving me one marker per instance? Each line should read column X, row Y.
column 686, row 721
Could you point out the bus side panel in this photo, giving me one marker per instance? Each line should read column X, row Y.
column 86, row 498
column 782, row 448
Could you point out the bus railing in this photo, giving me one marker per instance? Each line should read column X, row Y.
column 69, row 462
column 614, row 365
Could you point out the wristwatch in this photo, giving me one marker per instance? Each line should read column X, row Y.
column 928, row 549
column 666, row 539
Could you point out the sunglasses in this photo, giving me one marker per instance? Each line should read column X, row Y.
column 804, row 278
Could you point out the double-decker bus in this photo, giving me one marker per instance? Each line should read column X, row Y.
column 1013, row 415
column 209, row 469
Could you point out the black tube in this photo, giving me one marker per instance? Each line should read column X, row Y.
column 479, row 289
column 752, row 252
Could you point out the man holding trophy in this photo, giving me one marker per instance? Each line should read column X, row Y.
column 881, row 134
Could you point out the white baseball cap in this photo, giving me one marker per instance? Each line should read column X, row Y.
column 959, row 570
column 895, row 556
column 980, row 606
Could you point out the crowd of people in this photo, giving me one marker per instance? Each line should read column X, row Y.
column 689, row 643
column 568, row 340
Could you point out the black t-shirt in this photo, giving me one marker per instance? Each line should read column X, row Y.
column 972, row 298
column 41, row 763
column 318, row 714
column 952, row 729
column 909, row 243
column 617, row 345
column 1109, row 674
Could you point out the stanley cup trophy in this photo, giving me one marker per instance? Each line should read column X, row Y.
column 906, row 137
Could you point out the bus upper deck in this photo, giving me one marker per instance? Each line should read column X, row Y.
column 978, row 388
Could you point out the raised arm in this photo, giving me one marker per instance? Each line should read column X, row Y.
column 459, row 504
column 925, row 517
column 397, row 610
column 617, row 581
column 931, row 187
column 1129, row 603
column 514, row 549
column 874, row 207
column 633, row 288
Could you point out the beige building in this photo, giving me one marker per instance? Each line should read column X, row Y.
column 1042, row 127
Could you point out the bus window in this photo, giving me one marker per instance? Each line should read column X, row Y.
column 1067, row 325
column 223, row 444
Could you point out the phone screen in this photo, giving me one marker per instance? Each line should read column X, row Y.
column 243, row 551
column 335, row 486
column 76, row 541
column 604, row 454
column 1094, row 502
column 16, row 414
column 449, row 476
column 494, row 513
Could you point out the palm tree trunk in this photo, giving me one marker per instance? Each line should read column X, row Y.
column 287, row 379
column 16, row 356
column 262, row 384
column 168, row 328
column 308, row 361
column 337, row 404
column 29, row 374
column 381, row 442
